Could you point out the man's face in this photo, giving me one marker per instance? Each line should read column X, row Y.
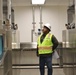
column 44, row 30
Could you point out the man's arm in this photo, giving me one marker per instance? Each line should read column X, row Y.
column 55, row 42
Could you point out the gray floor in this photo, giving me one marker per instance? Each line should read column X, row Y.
column 56, row 71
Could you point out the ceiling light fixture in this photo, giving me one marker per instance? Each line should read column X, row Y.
column 38, row 1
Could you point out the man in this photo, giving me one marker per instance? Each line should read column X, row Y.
column 46, row 45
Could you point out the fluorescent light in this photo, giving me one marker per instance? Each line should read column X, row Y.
column 38, row 1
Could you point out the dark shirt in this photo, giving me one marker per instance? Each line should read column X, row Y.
column 42, row 38
column 54, row 41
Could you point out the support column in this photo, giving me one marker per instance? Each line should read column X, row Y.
column 1, row 13
column 75, row 14
column 8, row 57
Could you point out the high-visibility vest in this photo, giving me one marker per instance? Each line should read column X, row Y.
column 46, row 46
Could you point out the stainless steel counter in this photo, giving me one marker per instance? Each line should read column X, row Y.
column 28, row 49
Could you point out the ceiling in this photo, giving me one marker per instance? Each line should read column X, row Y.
column 48, row 2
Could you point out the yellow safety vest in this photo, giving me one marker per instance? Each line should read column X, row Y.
column 46, row 46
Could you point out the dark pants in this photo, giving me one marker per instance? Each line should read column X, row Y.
column 48, row 62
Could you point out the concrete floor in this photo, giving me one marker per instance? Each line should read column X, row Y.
column 56, row 71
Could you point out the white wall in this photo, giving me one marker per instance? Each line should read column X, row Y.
column 55, row 15
column 23, row 17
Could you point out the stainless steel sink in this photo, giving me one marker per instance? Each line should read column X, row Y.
column 28, row 45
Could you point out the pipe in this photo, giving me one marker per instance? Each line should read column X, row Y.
column 32, row 31
column 1, row 13
column 9, row 10
column 33, row 11
column 41, row 17
column 73, row 2
column 12, row 15
column 32, row 35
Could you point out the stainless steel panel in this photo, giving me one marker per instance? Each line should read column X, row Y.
column 68, row 60
column 69, row 45
column 74, row 70
column 16, row 57
column 16, row 72
column 68, row 57
column 69, row 38
column 68, row 71
column 24, row 57
column 28, row 45
column 75, row 63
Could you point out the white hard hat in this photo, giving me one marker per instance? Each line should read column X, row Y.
column 48, row 26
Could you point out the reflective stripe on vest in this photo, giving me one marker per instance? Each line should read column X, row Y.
column 46, row 46
column 43, row 48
